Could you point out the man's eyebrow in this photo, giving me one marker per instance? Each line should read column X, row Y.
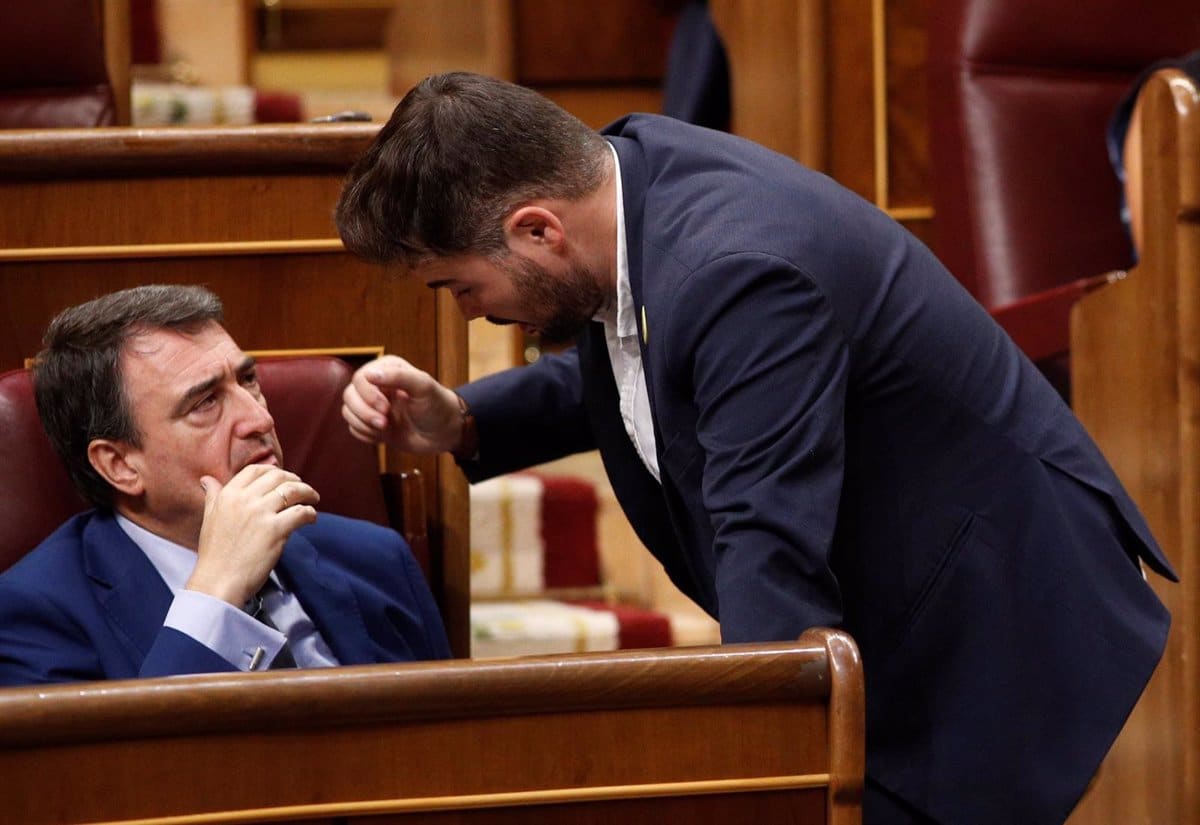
column 439, row 284
column 185, row 401
column 247, row 364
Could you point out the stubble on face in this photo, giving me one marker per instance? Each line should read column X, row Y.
column 560, row 306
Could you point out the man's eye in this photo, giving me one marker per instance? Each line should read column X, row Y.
column 205, row 403
column 249, row 379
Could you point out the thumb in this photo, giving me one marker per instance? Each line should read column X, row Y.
column 211, row 488
column 390, row 377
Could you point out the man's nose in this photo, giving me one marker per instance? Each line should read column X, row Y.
column 253, row 418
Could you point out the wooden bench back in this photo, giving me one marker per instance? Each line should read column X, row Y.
column 740, row 733
column 1136, row 344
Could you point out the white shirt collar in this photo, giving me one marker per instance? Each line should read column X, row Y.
column 626, row 317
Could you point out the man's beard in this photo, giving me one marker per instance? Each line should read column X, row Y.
column 560, row 306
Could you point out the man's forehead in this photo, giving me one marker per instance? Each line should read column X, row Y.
column 207, row 347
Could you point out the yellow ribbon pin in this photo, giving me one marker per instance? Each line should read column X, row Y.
column 645, row 331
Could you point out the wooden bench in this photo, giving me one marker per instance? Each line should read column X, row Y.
column 1135, row 345
column 742, row 733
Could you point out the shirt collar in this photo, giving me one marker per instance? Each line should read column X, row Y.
column 174, row 562
column 626, row 316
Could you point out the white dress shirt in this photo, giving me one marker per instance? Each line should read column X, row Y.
column 621, row 335
column 228, row 631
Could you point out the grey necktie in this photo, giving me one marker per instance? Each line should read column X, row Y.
column 256, row 609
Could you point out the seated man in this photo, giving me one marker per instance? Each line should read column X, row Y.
column 159, row 418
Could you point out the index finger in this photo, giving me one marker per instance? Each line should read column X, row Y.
column 389, row 373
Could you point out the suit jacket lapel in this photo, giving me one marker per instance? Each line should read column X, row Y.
column 633, row 189
column 130, row 589
column 326, row 597
column 640, row 496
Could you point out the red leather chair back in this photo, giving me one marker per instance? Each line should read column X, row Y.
column 1020, row 95
column 52, row 70
column 36, row 494
column 304, row 396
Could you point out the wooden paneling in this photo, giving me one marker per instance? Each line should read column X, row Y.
column 778, row 82
column 698, row 733
column 599, row 106
column 841, row 88
column 430, row 36
column 853, row 70
column 1135, row 345
column 616, row 42
column 321, row 24
column 118, row 55
column 905, row 50
column 247, row 212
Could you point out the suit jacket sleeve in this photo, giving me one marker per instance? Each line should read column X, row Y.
column 528, row 415
column 175, row 654
column 43, row 642
column 755, row 344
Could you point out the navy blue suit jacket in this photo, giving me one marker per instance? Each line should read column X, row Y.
column 88, row 604
column 847, row 439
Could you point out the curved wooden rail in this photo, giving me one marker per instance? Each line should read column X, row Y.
column 774, row 730
column 40, row 154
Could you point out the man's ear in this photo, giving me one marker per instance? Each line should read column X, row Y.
column 531, row 229
column 116, row 463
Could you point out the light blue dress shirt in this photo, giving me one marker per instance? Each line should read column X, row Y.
column 228, row 631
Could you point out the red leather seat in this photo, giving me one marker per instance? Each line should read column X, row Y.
column 1027, row 208
column 52, row 69
column 304, row 396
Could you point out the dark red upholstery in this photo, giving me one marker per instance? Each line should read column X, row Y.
column 36, row 495
column 569, row 517
column 52, row 70
column 304, row 396
column 1020, row 94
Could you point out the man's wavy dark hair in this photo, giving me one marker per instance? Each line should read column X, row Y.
column 458, row 154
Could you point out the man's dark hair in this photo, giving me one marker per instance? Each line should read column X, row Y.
column 77, row 377
column 458, row 154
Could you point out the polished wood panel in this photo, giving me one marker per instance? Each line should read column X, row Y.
column 773, row 728
column 321, row 24
column 429, row 36
column 840, row 87
column 905, row 50
column 600, row 106
column 100, row 154
column 1135, row 345
column 777, row 72
column 853, row 117
column 118, row 55
column 615, row 42
column 247, row 212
